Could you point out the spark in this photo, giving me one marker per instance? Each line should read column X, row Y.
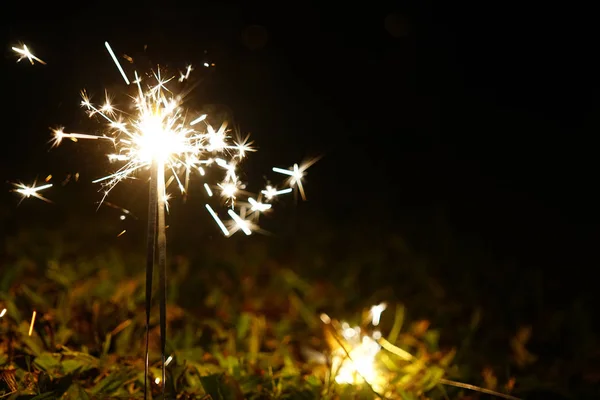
column 256, row 206
column 165, row 199
column 242, row 146
column 199, row 119
column 228, row 190
column 31, row 191
column 32, row 322
column 230, row 167
column 241, row 223
column 296, row 173
column 217, row 220
column 217, row 141
column 124, row 212
column 112, row 54
column 26, row 53
column 2, row 312
column 59, row 135
column 270, row 192
column 183, row 77
column 208, row 191
column 122, row 233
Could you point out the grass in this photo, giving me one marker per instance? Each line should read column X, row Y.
column 243, row 322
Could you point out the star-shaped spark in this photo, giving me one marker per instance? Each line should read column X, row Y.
column 295, row 173
column 271, row 192
column 31, row 191
column 26, row 53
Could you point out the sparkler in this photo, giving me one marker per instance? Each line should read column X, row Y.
column 355, row 357
column 158, row 135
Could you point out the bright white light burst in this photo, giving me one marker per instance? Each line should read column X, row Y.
column 179, row 141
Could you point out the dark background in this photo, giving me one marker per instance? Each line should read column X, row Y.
column 471, row 122
column 485, row 114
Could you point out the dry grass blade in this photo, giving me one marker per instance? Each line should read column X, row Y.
column 477, row 389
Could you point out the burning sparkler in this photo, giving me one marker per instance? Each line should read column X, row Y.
column 162, row 136
column 361, row 355
column 354, row 356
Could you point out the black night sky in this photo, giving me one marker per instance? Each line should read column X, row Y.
column 477, row 118
column 485, row 114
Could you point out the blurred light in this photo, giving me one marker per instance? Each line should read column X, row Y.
column 32, row 322
column 376, row 313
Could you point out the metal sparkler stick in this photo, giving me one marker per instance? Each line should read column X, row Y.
column 162, row 267
column 150, row 260
column 156, row 254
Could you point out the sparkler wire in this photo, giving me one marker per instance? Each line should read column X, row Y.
column 156, row 253
column 150, row 260
column 162, row 266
